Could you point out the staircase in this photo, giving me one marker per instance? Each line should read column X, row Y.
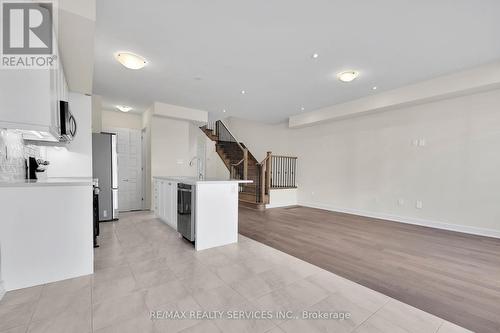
column 242, row 165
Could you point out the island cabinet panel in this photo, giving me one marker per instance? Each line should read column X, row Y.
column 214, row 203
column 52, row 240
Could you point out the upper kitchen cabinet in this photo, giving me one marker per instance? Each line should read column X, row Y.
column 30, row 98
column 29, row 101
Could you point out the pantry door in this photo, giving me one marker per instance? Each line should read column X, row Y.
column 129, row 151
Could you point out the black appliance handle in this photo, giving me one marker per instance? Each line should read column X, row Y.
column 72, row 126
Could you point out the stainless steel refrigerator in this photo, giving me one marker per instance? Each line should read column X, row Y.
column 105, row 169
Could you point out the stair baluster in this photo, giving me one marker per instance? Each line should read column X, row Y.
column 272, row 172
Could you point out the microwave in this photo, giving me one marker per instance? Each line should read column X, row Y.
column 67, row 122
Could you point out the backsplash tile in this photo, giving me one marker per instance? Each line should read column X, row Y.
column 13, row 153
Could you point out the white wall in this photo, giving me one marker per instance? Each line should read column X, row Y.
column 180, row 112
column 174, row 143
column 366, row 164
column 75, row 159
column 118, row 119
column 96, row 114
column 282, row 197
column 172, row 147
column 260, row 138
column 215, row 167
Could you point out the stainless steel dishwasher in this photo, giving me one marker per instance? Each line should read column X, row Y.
column 185, row 211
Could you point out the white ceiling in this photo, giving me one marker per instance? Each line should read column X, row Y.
column 203, row 53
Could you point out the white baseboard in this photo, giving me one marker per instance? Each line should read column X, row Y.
column 278, row 205
column 2, row 290
column 409, row 220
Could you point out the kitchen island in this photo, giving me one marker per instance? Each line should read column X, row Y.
column 213, row 208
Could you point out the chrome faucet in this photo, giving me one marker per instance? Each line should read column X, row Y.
column 200, row 166
column 192, row 160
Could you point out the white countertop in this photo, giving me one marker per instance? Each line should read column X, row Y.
column 69, row 181
column 195, row 181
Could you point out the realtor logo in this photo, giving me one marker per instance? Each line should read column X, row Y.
column 27, row 35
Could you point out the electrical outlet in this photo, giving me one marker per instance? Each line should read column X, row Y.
column 105, row 213
column 401, row 202
column 419, row 204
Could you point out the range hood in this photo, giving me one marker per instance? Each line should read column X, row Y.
column 38, row 136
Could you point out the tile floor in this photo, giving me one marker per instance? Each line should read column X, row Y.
column 143, row 266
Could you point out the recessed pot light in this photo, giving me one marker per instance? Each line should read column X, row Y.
column 315, row 56
column 302, row 109
column 374, row 88
column 224, row 110
column 243, row 92
column 347, row 76
column 123, row 108
column 130, row 60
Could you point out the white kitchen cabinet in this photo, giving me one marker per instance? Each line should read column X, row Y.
column 156, row 185
column 29, row 100
column 214, row 204
column 165, row 201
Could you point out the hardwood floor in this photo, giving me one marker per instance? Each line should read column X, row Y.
column 452, row 275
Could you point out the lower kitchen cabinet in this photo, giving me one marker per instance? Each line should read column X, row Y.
column 165, row 201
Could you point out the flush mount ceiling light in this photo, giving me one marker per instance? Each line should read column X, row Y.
column 123, row 108
column 130, row 60
column 347, row 76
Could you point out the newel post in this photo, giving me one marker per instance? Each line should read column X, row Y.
column 268, row 171
column 245, row 163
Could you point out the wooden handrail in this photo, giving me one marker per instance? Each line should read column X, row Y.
column 273, row 172
column 236, row 164
column 233, row 139
column 285, row 156
column 224, row 134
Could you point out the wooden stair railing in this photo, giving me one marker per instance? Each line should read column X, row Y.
column 284, row 169
column 272, row 172
column 224, row 136
column 264, row 179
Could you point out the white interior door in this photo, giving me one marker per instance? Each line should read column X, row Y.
column 129, row 151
